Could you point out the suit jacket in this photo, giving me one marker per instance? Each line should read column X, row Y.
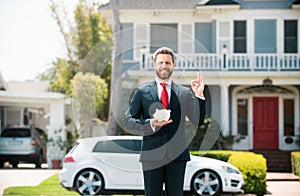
column 168, row 140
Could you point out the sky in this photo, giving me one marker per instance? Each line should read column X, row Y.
column 29, row 38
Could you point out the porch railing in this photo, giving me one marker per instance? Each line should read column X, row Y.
column 230, row 62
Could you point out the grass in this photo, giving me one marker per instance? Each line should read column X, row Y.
column 48, row 187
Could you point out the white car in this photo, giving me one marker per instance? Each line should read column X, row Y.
column 111, row 164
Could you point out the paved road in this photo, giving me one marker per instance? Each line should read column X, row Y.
column 25, row 175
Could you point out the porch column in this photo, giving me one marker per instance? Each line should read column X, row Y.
column 224, row 109
column 56, row 130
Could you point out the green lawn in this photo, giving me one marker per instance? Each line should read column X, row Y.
column 49, row 187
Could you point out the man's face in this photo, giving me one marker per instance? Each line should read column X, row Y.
column 164, row 66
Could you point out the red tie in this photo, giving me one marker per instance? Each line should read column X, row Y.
column 164, row 96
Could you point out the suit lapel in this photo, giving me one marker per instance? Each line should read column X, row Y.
column 152, row 88
column 174, row 95
column 153, row 91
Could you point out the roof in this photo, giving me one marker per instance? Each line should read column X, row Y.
column 221, row 2
column 156, row 4
column 29, row 86
column 31, row 95
column 297, row 2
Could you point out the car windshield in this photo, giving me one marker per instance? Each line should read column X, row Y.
column 15, row 133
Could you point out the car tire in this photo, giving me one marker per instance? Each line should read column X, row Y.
column 14, row 164
column 206, row 182
column 89, row 182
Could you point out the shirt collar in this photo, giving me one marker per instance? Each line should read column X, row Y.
column 158, row 81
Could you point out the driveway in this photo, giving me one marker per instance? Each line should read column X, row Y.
column 25, row 175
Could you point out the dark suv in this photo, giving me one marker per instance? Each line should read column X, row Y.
column 23, row 144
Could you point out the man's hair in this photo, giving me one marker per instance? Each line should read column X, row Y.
column 164, row 50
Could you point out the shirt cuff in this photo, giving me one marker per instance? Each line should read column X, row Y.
column 153, row 128
column 200, row 97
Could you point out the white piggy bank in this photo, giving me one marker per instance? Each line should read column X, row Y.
column 162, row 115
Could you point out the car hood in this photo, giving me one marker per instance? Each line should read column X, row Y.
column 209, row 161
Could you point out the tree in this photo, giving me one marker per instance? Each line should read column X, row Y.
column 88, row 43
column 89, row 93
column 116, row 64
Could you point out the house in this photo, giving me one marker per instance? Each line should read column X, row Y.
column 248, row 51
column 32, row 103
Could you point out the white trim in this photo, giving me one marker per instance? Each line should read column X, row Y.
column 280, row 35
column 298, row 34
column 224, row 110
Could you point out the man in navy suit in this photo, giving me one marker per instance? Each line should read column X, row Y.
column 164, row 150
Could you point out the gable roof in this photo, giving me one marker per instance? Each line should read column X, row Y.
column 156, row 4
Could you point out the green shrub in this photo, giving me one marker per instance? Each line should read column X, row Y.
column 222, row 155
column 295, row 156
column 254, row 169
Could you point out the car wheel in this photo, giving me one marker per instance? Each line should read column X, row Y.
column 14, row 164
column 206, row 182
column 89, row 182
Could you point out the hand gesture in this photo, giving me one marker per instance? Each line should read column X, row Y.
column 198, row 85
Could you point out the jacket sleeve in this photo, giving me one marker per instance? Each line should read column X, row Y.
column 134, row 121
column 197, row 109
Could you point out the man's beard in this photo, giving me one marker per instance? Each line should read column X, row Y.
column 165, row 75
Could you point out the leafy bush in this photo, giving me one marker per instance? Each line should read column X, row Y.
column 295, row 156
column 254, row 169
column 222, row 155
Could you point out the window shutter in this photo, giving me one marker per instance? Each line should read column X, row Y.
column 140, row 39
column 186, row 38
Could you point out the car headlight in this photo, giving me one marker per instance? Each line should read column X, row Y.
column 230, row 170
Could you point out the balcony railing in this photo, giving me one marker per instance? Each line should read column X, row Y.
column 230, row 62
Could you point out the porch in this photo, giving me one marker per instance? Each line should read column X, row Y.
column 230, row 62
column 226, row 75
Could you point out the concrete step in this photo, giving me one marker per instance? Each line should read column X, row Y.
column 277, row 161
column 278, row 176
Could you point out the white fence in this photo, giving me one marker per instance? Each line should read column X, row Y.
column 230, row 62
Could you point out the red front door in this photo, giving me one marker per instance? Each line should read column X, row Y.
column 265, row 122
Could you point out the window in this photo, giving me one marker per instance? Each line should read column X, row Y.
column 289, row 117
column 242, row 116
column 265, row 36
column 16, row 132
column 118, row 146
column 240, row 37
column 290, row 36
column 164, row 35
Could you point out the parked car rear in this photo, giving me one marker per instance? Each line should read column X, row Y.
column 22, row 144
